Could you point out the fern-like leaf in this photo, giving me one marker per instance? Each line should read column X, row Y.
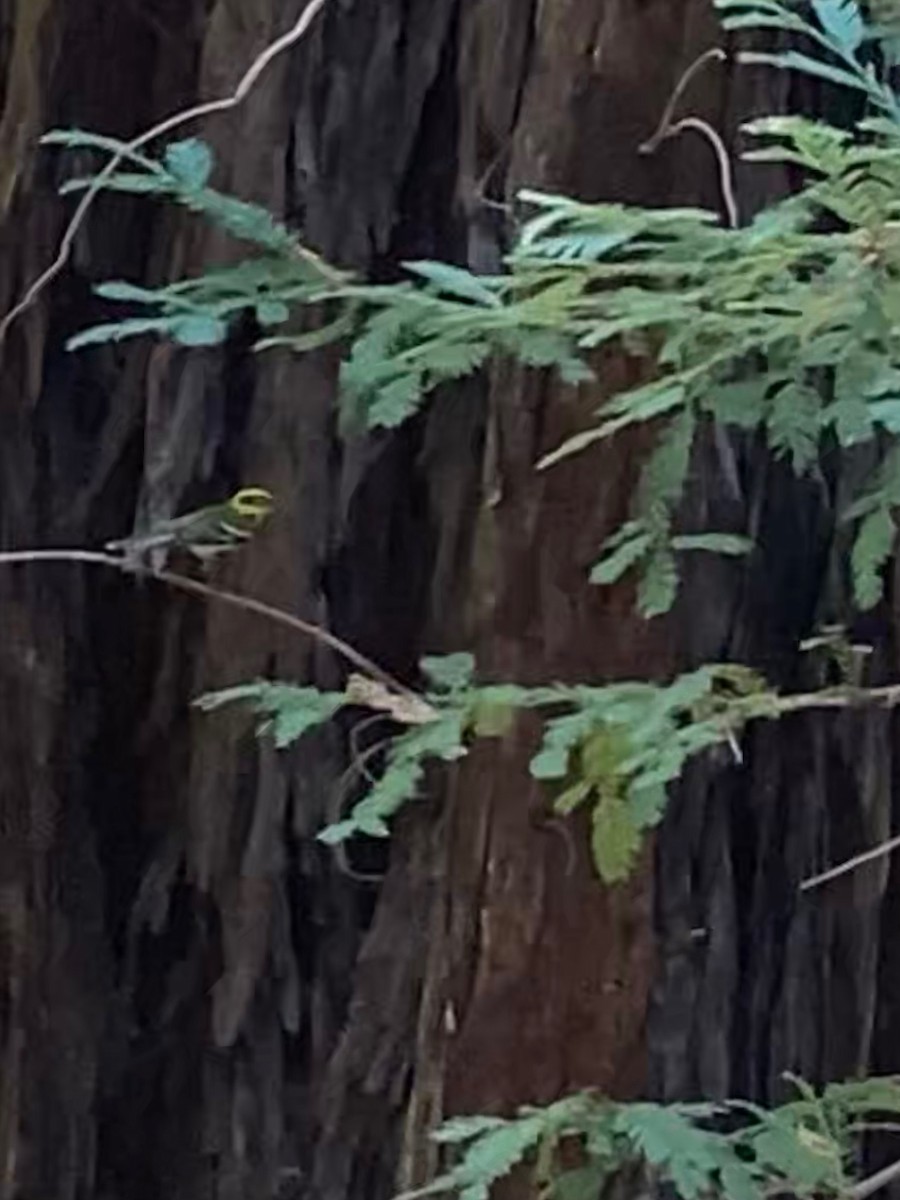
column 287, row 712
column 872, row 548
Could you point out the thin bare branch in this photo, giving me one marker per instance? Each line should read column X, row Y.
column 875, row 1182
column 184, row 583
column 715, row 53
column 726, row 175
column 335, row 808
column 851, row 864
column 205, row 109
column 774, row 706
column 841, row 697
column 356, row 751
column 847, row 697
column 668, row 128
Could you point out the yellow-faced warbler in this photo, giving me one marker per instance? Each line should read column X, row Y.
column 204, row 533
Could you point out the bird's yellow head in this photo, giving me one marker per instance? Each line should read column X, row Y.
column 251, row 504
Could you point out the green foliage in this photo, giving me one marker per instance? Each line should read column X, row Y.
column 613, row 749
column 786, row 327
column 441, row 739
column 743, row 321
column 197, row 312
column 777, row 326
column 411, row 337
column 287, row 712
column 871, row 551
column 735, row 1149
column 836, row 36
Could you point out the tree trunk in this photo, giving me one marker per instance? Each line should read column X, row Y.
column 195, row 1000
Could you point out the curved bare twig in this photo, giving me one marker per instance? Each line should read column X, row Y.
column 665, row 123
column 668, row 128
column 205, row 109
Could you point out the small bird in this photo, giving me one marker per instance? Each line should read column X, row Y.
column 205, row 533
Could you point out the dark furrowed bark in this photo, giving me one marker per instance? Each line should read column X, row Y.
column 193, row 1000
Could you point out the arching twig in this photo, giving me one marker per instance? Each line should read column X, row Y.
column 357, row 767
column 335, row 809
column 668, row 128
column 205, row 109
column 726, row 175
column 356, row 752
column 662, row 130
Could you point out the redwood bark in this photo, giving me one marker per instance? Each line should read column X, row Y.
column 193, row 999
